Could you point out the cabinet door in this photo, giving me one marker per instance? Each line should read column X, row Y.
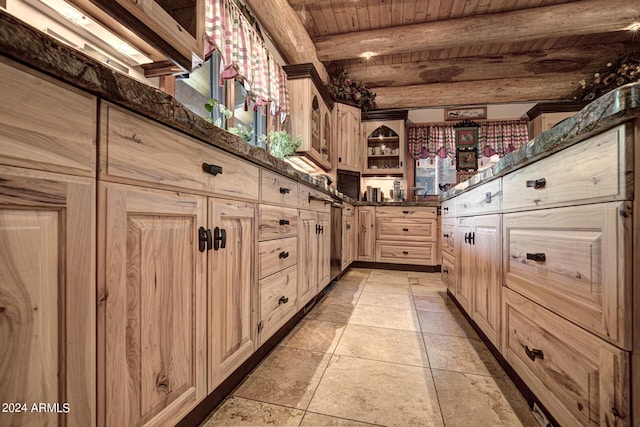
column 232, row 287
column 348, row 137
column 353, row 239
column 307, row 257
column 366, row 234
column 487, row 252
column 47, row 296
column 464, row 263
column 324, row 250
column 152, row 305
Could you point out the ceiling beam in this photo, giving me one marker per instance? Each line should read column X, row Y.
column 576, row 60
column 566, row 19
column 499, row 91
column 281, row 22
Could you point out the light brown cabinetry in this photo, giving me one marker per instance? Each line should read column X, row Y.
column 384, row 147
column 406, row 235
column 349, row 235
column 346, row 121
column 152, row 287
column 546, row 121
column 366, row 236
column 314, row 248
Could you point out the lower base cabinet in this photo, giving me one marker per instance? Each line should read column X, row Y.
column 314, row 246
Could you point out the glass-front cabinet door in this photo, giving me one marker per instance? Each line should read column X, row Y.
column 384, row 148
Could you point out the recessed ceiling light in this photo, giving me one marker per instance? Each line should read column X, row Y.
column 634, row 27
column 368, row 55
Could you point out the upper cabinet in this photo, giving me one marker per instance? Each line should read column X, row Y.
column 384, row 147
column 347, row 136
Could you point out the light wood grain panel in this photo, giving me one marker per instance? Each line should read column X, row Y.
column 464, row 263
column 366, row 233
column 415, row 230
column 448, row 235
column 319, row 201
column 308, row 257
column 592, row 171
column 347, row 125
column 57, row 133
column 135, row 148
column 278, row 190
column 406, row 212
column 448, row 271
column 276, row 222
column 580, row 378
column 47, row 295
column 324, row 250
column 406, row 253
column 277, row 300
column 635, row 272
column 152, row 305
column 448, row 208
column 276, row 255
column 583, row 276
column 485, row 199
column 233, row 294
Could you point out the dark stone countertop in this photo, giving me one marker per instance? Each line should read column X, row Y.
column 408, row 204
column 609, row 110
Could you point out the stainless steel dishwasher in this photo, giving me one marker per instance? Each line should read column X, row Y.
column 336, row 238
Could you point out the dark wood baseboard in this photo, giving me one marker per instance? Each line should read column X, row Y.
column 511, row 373
column 400, row 267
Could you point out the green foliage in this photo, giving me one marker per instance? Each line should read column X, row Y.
column 244, row 132
column 223, row 111
column 282, row 144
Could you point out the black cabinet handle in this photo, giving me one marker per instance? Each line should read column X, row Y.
column 445, row 235
column 204, row 239
column 284, row 190
column 339, row 159
column 533, row 354
column 540, row 257
column 472, row 238
column 406, row 212
column 487, row 197
column 445, row 271
column 537, row 183
column 284, row 254
column 212, row 169
column 348, row 226
column 283, row 300
column 317, row 229
column 219, row 238
column 405, row 229
column 405, row 252
column 445, row 209
column 284, row 222
column 322, row 229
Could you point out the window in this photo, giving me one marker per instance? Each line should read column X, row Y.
column 432, row 172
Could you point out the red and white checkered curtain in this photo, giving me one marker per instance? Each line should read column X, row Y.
column 430, row 140
column 245, row 56
column 502, row 137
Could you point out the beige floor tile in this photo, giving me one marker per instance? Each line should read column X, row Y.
column 443, row 323
column 243, row 412
column 331, row 311
column 313, row 419
column 460, row 354
column 344, row 295
column 388, row 287
column 386, row 345
column 437, row 301
column 314, row 335
column 287, row 377
column 386, row 300
column 385, row 317
column 377, row 392
column 466, row 398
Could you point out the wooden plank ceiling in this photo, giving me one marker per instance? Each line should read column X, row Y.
column 433, row 53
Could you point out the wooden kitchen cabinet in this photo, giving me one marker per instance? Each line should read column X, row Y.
column 347, row 124
column 152, row 305
column 314, row 246
column 232, row 318
column 384, row 148
column 366, row 236
column 349, row 236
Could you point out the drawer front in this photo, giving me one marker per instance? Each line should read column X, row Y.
column 56, row 134
column 348, row 210
column 407, row 212
column 590, row 171
column 314, row 200
column 278, row 254
column 580, row 378
column 142, row 150
column 448, row 234
column 277, row 222
column 418, row 230
column 278, row 294
column 448, row 208
column 404, row 253
column 573, row 261
column 484, row 199
column 448, row 271
column 276, row 189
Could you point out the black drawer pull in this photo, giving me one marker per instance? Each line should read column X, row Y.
column 284, row 190
column 405, row 252
column 445, row 235
column 445, row 209
column 219, row 238
column 540, row 257
column 533, row 354
column 284, row 222
column 445, row 271
column 212, row 169
column 487, row 197
column 537, row 183
column 322, row 229
column 406, row 212
column 283, row 300
column 348, row 226
column 204, row 239
column 405, row 229
column 284, row 254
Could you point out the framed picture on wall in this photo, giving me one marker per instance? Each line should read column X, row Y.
column 464, row 175
column 466, row 160
column 466, row 137
column 465, row 113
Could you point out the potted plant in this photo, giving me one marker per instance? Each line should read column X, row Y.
column 282, row 144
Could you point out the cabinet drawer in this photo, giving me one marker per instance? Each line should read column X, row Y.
column 448, row 208
column 573, row 261
column 46, row 126
column 278, row 254
column 580, row 378
column 419, row 230
column 484, row 199
column 348, row 210
column 448, row 270
column 407, row 212
column 448, row 235
column 276, row 189
column 593, row 170
column 278, row 294
column 405, row 253
column 277, row 222
column 314, row 199
column 139, row 149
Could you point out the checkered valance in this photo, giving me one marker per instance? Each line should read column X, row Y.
column 245, row 55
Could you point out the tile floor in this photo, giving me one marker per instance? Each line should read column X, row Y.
column 383, row 348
